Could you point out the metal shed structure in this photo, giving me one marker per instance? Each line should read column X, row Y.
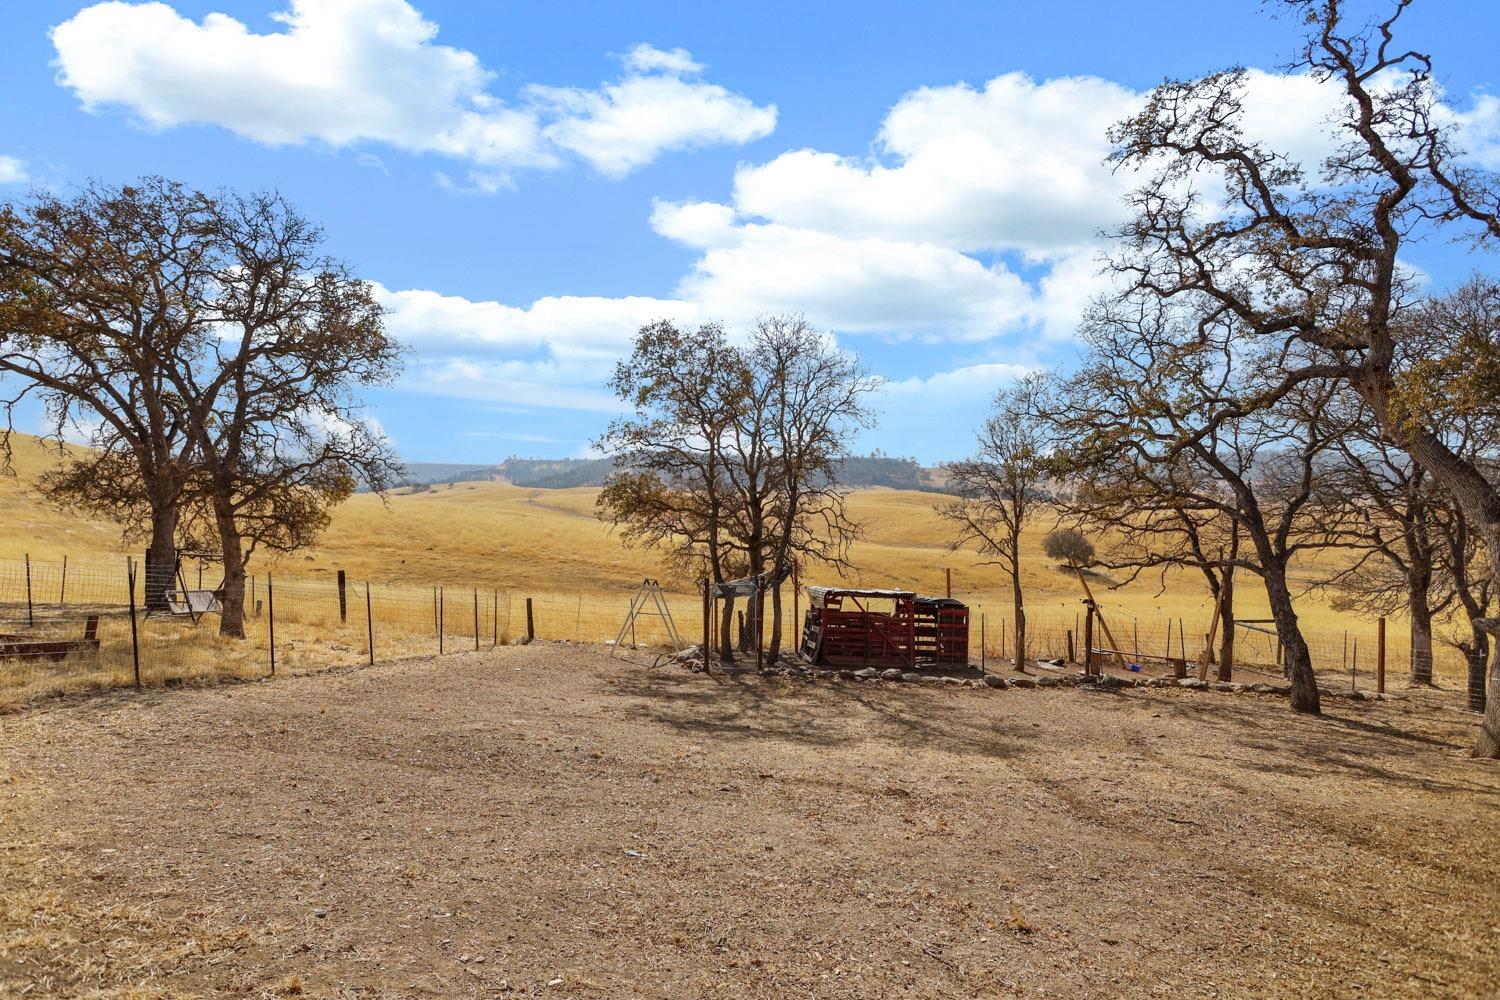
column 866, row 627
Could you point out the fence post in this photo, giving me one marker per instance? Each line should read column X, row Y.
column 530, row 622
column 476, row 619
column 1088, row 642
column 707, row 614
column 796, row 606
column 62, row 594
column 442, row 620
column 495, row 640
column 981, row 642
column 30, row 619
column 1071, row 657
column 343, row 602
column 369, row 623
column 271, row 615
column 1380, row 657
column 135, row 647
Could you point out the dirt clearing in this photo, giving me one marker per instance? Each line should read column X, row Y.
column 543, row 820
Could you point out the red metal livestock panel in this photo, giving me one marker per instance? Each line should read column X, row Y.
column 851, row 628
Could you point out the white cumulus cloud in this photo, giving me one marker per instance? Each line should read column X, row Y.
column 12, row 171
column 344, row 72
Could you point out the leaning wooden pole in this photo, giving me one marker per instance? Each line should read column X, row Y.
column 1103, row 625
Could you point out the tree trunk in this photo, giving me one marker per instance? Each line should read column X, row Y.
column 773, row 651
column 1487, row 746
column 1226, row 626
column 232, row 618
column 1420, row 613
column 161, row 557
column 1020, row 613
column 1477, row 655
column 1295, row 654
column 726, row 631
column 750, row 624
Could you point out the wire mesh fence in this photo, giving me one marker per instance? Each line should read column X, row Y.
column 1348, row 656
column 68, row 625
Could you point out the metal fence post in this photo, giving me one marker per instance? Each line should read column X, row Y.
column 62, row 593
column 135, row 648
column 30, row 618
column 271, row 614
column 476, row 619
column 495, row 641
column 1088, row 642
column 442, row 619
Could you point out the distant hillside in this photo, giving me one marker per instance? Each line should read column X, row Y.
column 892, row 472
column 556, row 474
column 858, row 471
column 440, row 472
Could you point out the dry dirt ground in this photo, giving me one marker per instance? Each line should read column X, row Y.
column 546, row 821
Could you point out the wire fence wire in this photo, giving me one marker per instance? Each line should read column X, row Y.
column 71, row 625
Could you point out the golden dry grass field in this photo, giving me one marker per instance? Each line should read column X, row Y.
column 549, row 544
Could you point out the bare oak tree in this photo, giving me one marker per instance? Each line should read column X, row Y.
column 97, row 291
column 1313, row 261
column 216, row 352
column 817, row 398
column 998, row 490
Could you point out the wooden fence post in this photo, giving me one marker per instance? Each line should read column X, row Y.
column 708, row 613
column 530, row 623
column 1071, row 657
column 369, row 623
column 343, row 602
column 796, row 606
column 1380, row 657
column 271, row 614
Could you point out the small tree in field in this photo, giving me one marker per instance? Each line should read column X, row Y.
column 1070, row 547
column 997, row 489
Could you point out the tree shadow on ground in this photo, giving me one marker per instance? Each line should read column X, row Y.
column 819, row 714
column 1387, row 749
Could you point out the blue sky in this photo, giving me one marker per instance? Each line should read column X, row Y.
column 528, row 182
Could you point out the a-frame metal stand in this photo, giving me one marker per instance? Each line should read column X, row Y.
column 649, row 602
